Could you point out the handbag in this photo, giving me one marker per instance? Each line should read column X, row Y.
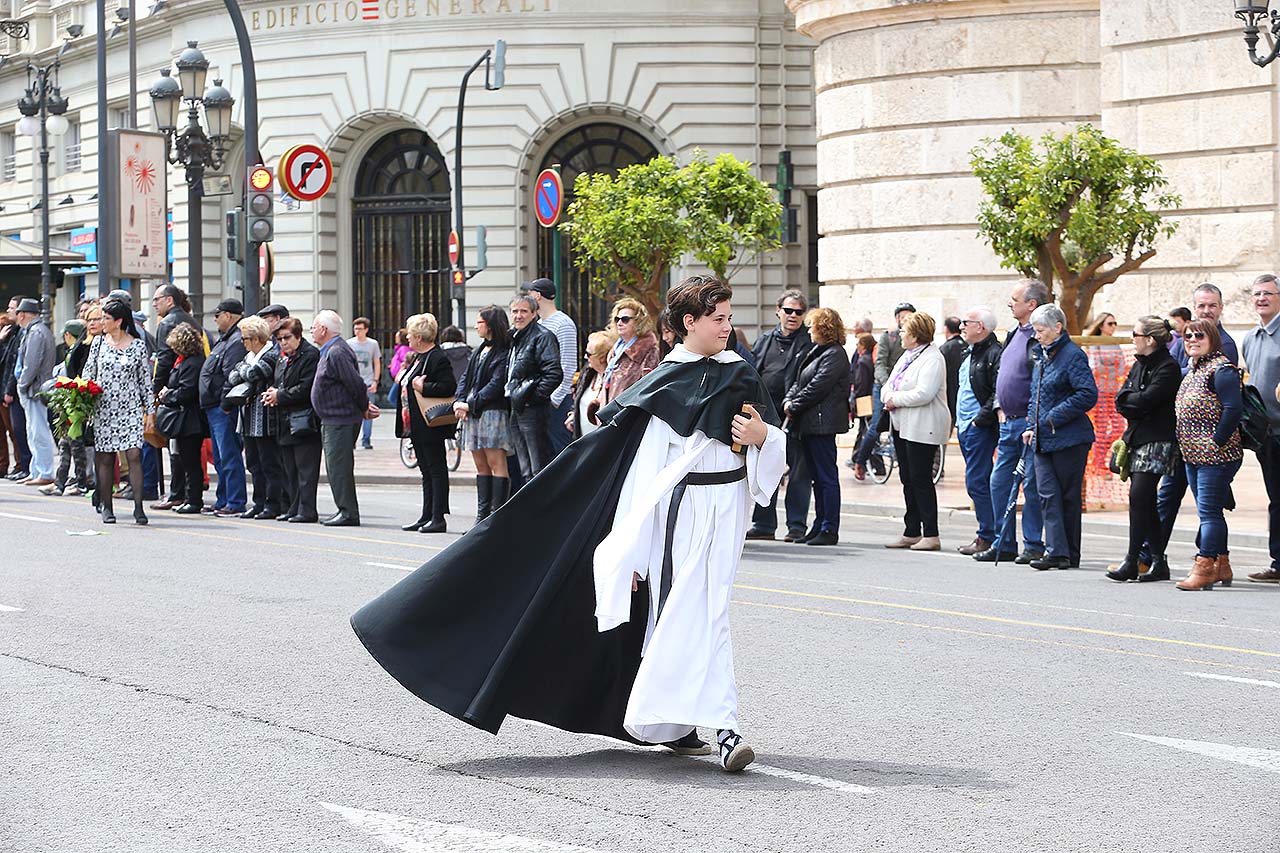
column 302, row 423
column 169, row 420
column 239, row 395
column 862, row 406
column 436, row 411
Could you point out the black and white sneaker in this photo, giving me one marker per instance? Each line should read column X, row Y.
column 690, row 744
column 734, row 754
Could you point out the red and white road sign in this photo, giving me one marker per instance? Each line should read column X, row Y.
column 453, row 248
column 266, row 264
column 548, row 197
column 305, row 172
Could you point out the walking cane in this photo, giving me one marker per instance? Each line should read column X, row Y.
column 1019, row 474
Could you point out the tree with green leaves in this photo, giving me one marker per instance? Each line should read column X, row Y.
column 628, row 229
column 1065, row 210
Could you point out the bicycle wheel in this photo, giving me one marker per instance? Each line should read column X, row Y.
column 888, row 459
column 407, row 456
column 939, row 463
column 454, row 449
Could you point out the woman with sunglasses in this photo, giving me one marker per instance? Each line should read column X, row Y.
column 1105, row 327
column 1209, row 407
column 635, row 353
column 1146, row 401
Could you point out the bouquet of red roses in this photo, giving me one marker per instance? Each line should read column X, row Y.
column 73, row 402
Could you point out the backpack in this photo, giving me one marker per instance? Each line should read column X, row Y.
column 1255, row 425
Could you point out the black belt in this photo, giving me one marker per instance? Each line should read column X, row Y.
column 694, row 478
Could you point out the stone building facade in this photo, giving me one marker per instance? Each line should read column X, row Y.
column 906, row 88
column 594, row 84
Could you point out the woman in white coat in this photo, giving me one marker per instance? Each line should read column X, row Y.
column 916, row 398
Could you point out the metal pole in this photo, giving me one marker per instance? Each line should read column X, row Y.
column 195, row 239
column 252, row 156
column 556, row 258
column 133, row 68
column 46, row 283
column 460, row 304
column 104, row 248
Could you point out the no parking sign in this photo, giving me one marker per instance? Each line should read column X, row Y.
column 548, row 198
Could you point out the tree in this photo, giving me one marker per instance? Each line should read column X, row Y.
column 1066, row 210
column 628, row 229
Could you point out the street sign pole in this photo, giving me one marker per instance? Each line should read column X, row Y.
column 556, row 258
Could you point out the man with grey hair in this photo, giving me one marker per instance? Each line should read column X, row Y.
column 533, row 375
column 1262, row 355
column 340, row 398
column 977, row 427
column 1013, row 396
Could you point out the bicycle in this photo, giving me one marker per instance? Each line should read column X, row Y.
column 889, row 460
column 452, row 451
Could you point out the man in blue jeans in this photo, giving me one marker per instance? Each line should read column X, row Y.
column 1013, row 394
column 228, row 447
column 977, row 426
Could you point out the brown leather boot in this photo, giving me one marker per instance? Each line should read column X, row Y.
column 1204, row 574
column 1224, row 569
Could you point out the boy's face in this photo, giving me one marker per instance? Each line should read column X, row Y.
column 710, row 333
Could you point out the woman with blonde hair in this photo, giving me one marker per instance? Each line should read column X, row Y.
column 427, row 374
column 920, row 421
column 817, row 410
column 183, row 419
column 588, row 391
column 262, row 458
column 635, row 353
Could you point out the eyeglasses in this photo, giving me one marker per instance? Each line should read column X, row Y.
column 1196, row 336
column 284, row 337
column 1258, row 294
column 970, row 322
column 794, row 312
column 1140, row 335
column 621, row 319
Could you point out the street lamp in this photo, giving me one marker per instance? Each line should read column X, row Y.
column 1251, row 12
column 42, row 107
column 191, row 147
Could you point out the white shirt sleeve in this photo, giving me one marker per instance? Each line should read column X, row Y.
column 766, row 465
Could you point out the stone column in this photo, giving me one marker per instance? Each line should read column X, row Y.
column 904, row 91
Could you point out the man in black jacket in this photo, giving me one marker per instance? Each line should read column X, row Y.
column 533, row 373
column 977, row 426
column 14, row 421
column 228, row 446
column 167, row 302
column 953, row 350
column 777, row 355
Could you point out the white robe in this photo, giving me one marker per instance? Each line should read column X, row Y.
column 686, row 676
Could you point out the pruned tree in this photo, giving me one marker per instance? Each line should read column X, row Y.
column 1077, row 211
column 629, row 228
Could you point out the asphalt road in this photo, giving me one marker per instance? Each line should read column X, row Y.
column 194, row 686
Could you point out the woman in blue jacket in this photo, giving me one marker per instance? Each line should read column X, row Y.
column 1061, row 434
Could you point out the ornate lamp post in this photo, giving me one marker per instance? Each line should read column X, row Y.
column 192, row 147
column 42, row 107
column 1251, row 12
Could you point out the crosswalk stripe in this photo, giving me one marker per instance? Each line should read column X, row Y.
column 1255, row 681
column 1263, row 759
column 27, row 518
column 415, row 835
column 4, row 608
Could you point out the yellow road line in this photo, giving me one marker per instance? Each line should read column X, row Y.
column 974, row 633
column 1005, row 621
column 326, row 549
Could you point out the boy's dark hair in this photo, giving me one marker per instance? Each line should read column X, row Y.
column 952, row 325
column 452, row 335
column 1181, row 312
column 696, row 296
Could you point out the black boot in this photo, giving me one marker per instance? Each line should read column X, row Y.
column 1126, row 571
column 484, row 497
column 1159, row 570
column 501, row 491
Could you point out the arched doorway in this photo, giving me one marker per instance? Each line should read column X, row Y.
column 400, row 233
column 603, row 146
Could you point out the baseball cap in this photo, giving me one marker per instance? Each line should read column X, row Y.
column 904, row 306
column 544, row 286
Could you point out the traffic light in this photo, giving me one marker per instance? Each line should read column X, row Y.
column 786, row 177
column 458, row 287
column 482, row 248
column 235, row 224
column 261, row 205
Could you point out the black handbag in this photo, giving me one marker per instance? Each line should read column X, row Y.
column 302, row 422
column 169, row 420
column 238, row 396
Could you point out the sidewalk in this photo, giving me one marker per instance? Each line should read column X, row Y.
column 1248, row 523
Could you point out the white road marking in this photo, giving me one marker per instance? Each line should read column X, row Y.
column 399, row 566
column 414, row 835
column 1263, row 759
column 4, row 608
column 763, row 769
column 1234, row 678
column 28, row 518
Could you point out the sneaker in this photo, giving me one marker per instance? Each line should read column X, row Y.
column 366, row 447
column 50, row 489
column 690, row 744
column 72, row 491
column 734, row 754
column 1269, row 576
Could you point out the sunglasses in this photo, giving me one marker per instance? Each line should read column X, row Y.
column 794, row 312
column 1195, row 336
column 970, row 322
column 621, row 319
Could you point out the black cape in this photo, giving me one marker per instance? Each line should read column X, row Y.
column 503, row 620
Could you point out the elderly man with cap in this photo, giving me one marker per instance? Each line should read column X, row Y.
column 888, row 351
column 228, row 446
column 562, row 326
column 36, row 355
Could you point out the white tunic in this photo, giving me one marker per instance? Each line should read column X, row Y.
column 686, row 676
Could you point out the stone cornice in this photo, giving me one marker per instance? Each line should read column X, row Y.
column 822, row 19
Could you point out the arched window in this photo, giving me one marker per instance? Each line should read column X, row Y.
column 600, row 147
column 401, row 231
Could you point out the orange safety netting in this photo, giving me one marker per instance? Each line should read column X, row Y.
column 1110, row 364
